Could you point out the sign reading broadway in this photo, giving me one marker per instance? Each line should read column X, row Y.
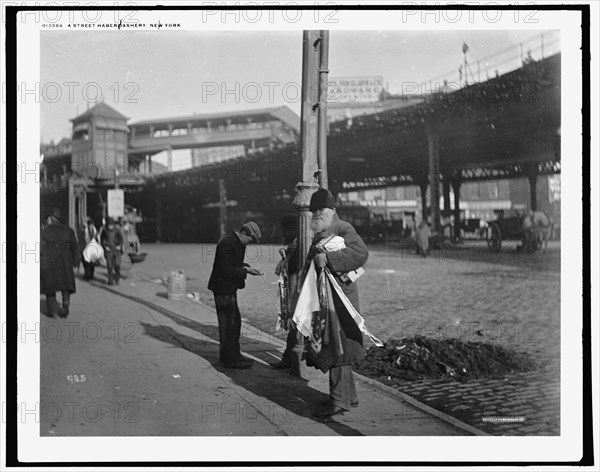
column 354, row 89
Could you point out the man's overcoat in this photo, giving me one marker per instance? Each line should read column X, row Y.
column 353, row 256
column 59, row 253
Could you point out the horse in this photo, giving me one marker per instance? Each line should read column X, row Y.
column 544, row 229
column 538, row 228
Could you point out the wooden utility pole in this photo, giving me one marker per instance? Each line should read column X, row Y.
column 310, row 136
column 323, row 45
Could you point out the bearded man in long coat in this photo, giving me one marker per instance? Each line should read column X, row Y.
column 325, row 222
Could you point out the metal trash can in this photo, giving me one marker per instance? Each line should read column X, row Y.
column 176, row 286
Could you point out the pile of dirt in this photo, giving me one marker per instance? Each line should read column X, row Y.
column 421, row 357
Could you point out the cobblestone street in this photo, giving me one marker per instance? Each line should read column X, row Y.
column 506, row 298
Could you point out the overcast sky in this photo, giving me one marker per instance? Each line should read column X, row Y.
column 171, row 73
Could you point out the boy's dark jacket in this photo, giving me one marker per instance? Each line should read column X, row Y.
column 229, row 273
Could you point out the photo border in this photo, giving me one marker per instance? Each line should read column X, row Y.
column 12, row 263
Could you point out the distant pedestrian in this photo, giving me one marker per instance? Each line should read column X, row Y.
column 422, row 234
column 59, row 255
column 287, row 270
column 227, row 277
column 87, row 234
column 111, row 240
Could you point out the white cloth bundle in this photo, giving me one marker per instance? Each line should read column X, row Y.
column 336, row 243
column 93, row 251
column 332, row 243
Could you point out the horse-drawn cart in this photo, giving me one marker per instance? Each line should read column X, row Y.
column 518, row 225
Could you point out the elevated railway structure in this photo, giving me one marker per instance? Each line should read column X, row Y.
column 242, row 132
column 505, row 127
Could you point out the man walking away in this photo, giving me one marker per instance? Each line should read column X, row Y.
column 59, row 254
column 227, row 277
column 111, row 240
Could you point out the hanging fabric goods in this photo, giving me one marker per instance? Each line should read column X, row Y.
column 309, row 302
column 358, row 319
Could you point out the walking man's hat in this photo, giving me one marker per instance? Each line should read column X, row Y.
column 55, row 213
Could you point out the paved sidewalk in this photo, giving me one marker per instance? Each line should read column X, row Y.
column 128, row 361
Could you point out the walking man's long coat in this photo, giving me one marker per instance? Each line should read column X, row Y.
column 59, row 254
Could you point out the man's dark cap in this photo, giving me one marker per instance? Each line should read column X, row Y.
column 55, row 213
column 289, row 221
column 110, row 221
column 322, row 198
column 253, row 230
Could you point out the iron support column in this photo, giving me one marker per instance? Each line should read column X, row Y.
column 423, row 186
column 456, row 190
column 159, row 236
column 81, row 202
column 446, row 189
column 533, row 190
column 433, row 147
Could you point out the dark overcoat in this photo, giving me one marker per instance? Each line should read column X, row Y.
column 229, row 270
column 59, row 253
column 353, row 256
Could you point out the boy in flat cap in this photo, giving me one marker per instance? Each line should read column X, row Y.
column 227, row 277
column 325, row 222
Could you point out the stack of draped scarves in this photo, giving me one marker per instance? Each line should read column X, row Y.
column 315, row 315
